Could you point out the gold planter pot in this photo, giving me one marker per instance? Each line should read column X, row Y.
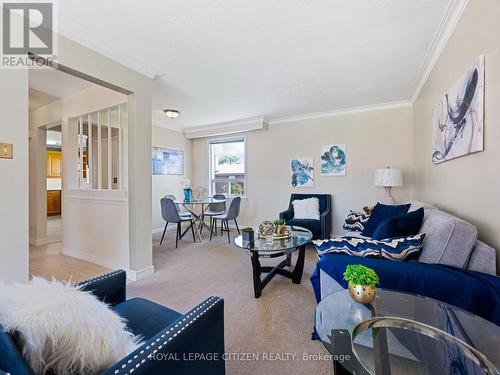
column 364, row 294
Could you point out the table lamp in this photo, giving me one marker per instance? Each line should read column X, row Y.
column 388, row 178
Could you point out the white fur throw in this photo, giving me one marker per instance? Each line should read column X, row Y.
column 63, row 328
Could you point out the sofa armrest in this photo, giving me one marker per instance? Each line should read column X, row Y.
column 287, row 215
column 483, row 259
column 110, row 288
column 194, row 344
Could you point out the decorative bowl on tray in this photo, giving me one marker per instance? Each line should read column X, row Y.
column 285, row 236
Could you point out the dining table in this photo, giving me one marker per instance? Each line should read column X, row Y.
column 197, row 209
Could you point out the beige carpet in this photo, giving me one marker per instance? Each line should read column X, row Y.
column 279, row 322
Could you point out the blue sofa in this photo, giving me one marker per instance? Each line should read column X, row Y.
column 198, row 332
column 320, row 228
column 476, row 292
column 453, row 267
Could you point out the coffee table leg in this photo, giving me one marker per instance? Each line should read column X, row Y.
column 299, row 266
column 257, row 285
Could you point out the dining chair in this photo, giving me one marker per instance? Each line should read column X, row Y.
column 170, row 214
column 181, row 212
column 215, row 209
column 231, row 214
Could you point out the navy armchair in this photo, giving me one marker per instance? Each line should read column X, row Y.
column 320, row 228
column 174, row 343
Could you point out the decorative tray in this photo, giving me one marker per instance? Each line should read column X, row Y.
column 274, row 236
column 284, row 236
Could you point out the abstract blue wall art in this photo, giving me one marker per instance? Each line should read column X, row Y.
column 333, row 160
column 167, row 161
column 458, row 119
column 302, row 172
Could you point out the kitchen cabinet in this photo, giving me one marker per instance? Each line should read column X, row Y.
column 53, row 202
column 54, row 164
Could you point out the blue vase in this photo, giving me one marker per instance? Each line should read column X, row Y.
column 187, row 195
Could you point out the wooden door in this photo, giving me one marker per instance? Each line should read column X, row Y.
column 54, row 164
column 53, row 202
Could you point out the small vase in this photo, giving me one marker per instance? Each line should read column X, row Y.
column 364, row 294
column 248, row 236
column 280, row 230
column 187, row 195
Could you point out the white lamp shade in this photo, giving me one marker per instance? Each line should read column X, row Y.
column 388, row 177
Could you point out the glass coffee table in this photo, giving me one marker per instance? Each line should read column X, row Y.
column 262, row 248
column 403, row 333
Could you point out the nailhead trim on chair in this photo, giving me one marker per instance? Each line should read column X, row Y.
column 212, row 301
column 98, row 278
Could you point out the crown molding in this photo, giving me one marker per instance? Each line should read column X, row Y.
column 224, row 128
column 443, row 33
column 340, row 112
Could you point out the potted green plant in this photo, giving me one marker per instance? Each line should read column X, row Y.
column 247, row 234
column 279, row 227
column 362, row 281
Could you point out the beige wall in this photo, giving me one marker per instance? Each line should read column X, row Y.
column 373, row 140
column 14, row 176
column 467, row 186
column 169, row 184
column 85, row 60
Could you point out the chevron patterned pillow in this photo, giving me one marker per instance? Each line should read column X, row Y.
column 391, row 248
column 355, row 221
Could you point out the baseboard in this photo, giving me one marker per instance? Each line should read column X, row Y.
column 133, row 275
column 104, row 262
column 140, row 274
column 171, row 228
column 39, row 242
column 160, row 230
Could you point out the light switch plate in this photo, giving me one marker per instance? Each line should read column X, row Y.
column 5, row 150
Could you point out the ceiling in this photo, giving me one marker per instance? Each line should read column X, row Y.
column 226, row 60
column 38, row 99
column 49, row 85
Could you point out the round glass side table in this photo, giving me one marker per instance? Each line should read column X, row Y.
column 402, row 333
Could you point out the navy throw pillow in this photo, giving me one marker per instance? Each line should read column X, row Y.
column 380, row 213
column 400, row 226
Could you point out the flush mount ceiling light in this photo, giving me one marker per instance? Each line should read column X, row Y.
column 171, row 113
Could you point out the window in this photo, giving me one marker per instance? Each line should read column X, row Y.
column 100, row 143
column 228, row 167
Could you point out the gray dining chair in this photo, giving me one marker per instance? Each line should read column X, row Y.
column 231, row 214
column 181, row 212
column 170, row 214
column 215, row 209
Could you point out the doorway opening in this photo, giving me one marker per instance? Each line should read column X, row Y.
column 54, row 183
column 78, row 179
